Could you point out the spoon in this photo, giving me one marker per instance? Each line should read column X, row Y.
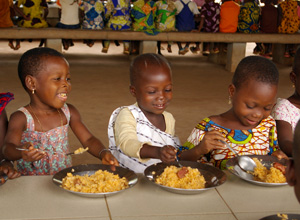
column 246, row 163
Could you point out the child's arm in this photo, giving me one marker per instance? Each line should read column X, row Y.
column 166, row 153
column 16, row 127
column 87, row 139
column 285, row 136
column 209, row 142
column 3, row 129
column 20, row 12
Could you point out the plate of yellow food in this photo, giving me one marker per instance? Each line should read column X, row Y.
column 269, row 171
column 189, row 178
column 95, row 180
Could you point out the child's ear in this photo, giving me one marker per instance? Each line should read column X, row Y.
column 132, row 91
column 231, row 90
column 290, row 173
column 30, row 82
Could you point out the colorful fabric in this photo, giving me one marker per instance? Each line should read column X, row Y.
column 261, row 140
column 165, row 15
column 249, row 18
column 268, row 20
column 185, row 18
column 93, row 14
column 118, row 14
column 144, row 15
column 211, row 14
column 146, row 132
column 290, row 21
column 33, row 8
column 5, row 98
column 5, row 20
column 286, row 111
column 229, row 17
column 54, row 142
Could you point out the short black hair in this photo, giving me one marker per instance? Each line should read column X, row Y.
column 296, row 64
column 32, row 62
column 257, row 68
column 144, row 60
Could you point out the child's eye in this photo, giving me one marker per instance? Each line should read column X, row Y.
column 250, row 107
column 151, row 92
column 69, row 79
column 168, row 90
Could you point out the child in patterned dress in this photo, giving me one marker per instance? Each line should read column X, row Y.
column 287, row 111
column 247, row 126
column 41, row 127
column 6, row 167
column 93, row 17
column 144, row 133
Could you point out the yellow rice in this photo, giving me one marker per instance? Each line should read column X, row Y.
column 100, row 182
column 262, row 174
column 192, row 180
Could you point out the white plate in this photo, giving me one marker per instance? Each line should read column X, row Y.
column 91, row 169
column 266, row 160
column 213, row 176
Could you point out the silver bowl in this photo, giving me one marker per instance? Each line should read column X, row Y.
column 233, row 167
column 213, row 176
column 90, row 169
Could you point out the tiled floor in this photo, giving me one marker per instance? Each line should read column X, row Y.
column 100, row 84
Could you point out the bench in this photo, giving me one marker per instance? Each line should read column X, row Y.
column 236, row 48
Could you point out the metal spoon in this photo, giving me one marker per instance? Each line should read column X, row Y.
column 245, row 162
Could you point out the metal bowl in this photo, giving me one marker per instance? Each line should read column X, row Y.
column 276, row 217
column 90, row 169
column 3, row 178
column 213, row 176
column 266, row 160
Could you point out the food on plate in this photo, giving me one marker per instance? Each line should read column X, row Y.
column 272, row 175
column 185, row 178
column 100, row 182
column 81, row 150
column 282, row 216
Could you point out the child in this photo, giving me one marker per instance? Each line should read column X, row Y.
column 210, row 18
column 293, row 169
column 268, row 23
column 5, row 19
column 186, row 10
column 143, row 134
column 5, row 166
column 287, row 111
column 288, row 22
column 93, row 17
column 69, row 18
column 144, row 15
column 118, row 14
column 247, row 126
column 41, row 127
column 165, row 19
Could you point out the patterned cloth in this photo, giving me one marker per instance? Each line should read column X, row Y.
column 286, row 111
column 144, row 14
column 211, row 14
column 5, row 20
column 229, row 17
column 146, row 132
column 290, row 21
column 5, row 98
column 93, row 12
column 249, row 18
column 261, row 140
column 54, row 142
column 33, row 8
column 165, row 19
column 118, row 14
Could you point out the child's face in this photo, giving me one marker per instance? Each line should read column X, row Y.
column 53, row 82
column 153, row 89
column 253, row 102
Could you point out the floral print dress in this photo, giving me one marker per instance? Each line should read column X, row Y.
column 165, row 15
column 290, row 21
column 249, row 18
column 93, row 14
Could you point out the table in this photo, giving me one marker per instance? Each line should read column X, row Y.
column 36, row 197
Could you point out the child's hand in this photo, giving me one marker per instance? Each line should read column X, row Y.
column 32, row 154
column 9, row 171
column 109, row 159
column 167, row 154
column 195, row 30
column 211, row 142
column 280, row 154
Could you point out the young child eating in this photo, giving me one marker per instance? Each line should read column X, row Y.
column 41, row 127
column 247, row 126
column 144, row 133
